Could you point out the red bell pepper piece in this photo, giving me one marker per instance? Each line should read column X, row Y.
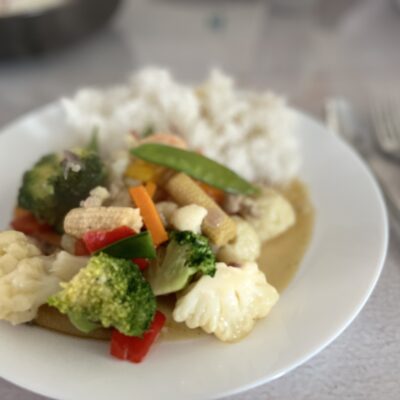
column 28, row 224
column 142, row 263
column 81, row 249
column 134, row 348
column 48, row 236
column 96, row 240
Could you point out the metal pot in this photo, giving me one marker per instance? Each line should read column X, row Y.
column 53, row 27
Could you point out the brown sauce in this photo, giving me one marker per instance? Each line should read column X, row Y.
column 49, row 318
column 280, row 259
column 172, row 329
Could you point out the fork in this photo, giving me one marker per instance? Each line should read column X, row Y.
column 385, row 116
column 342, row 118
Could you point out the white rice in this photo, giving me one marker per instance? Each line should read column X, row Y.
column 250, row 132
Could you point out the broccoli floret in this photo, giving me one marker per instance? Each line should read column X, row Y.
column 37, row 191
column 109, row 291
column 74, row 186
column 186, row 255
column 58, row 182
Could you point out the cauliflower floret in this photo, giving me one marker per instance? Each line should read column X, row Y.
column 245, row 247
column 166, row 209
column 27, row 278
column 97, row 197
column 274, row 215
column 25, row 289
column 14, row 247
column 228, row 304
column 65, row 266
column 188, row 218
column 120, row 195
column 68, row 243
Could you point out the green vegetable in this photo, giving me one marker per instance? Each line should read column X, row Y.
column 37, row 191
column 82, row 323
column 93, row 144
column 58, row 182
column 148, row 132
column 187, row 254
column 138, row 246
column 196, row 166
column 111, row 292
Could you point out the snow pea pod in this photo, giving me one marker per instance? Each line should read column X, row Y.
column 196, row 166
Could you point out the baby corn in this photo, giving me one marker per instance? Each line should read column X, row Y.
column 81, row 220
column 217, row 225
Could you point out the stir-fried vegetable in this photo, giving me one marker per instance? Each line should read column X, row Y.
column 97, row 240
column 110, row 288
column 196, row 166
column 149, row 213
column 58, row 182
column 142, row 263
column 217, row 195
column 121, row 242
column 187, row 254
column 111, row 292
column 144, row 171
column 138, row 246
column 80, row 248
column 81, row 220
column 151, row 188
column 27, row 223
column 229, row 304
column 135, row 348
column 217, row 225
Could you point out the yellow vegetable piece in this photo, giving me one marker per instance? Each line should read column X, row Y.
column 151, row 188
column 143, row 171
column 217, row 226
column 81, row 220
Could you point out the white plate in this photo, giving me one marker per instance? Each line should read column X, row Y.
column 336, row 278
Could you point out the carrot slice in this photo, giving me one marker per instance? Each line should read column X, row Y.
column 149, row 213
column 151, row 188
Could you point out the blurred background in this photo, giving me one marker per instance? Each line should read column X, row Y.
column 309, row 50
column 306, row 49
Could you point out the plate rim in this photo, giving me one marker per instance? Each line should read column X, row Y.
column 373, row 183
column 378, row 269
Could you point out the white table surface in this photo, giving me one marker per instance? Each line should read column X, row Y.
column 348, row 48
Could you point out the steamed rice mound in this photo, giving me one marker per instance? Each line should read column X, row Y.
column 250, row 132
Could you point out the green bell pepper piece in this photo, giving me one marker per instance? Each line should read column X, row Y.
column 138, row 246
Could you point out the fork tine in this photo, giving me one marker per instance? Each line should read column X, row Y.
column 393, row 122
column 378, row 119
column 387, row 124
column 387, row 114
column 396, row 113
